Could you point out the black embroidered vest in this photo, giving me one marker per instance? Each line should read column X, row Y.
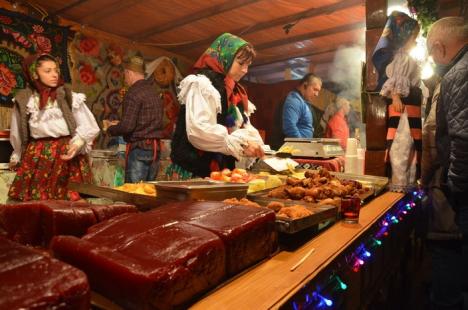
column 184, row 154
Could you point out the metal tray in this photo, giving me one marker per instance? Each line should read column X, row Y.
column 200, row 190
column 143, row 202
column 378, row 184
column 320, row 214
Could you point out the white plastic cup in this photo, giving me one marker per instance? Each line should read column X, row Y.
column 351, row 164
column 351, row 147
column 361, row 157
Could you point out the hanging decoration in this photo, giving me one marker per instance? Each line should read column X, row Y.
column 426, row 12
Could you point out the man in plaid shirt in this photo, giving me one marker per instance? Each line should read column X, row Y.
column 141, row 125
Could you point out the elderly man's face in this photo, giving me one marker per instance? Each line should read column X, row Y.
column 438, row 52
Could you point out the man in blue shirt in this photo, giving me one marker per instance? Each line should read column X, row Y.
column 297, row 113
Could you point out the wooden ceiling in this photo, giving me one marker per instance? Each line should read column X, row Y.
column 296, row 34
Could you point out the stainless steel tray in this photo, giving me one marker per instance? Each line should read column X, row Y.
column 200, row 190
column 378, row 184
column 320, row 213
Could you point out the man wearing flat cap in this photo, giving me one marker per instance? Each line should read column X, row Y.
column 141, row 125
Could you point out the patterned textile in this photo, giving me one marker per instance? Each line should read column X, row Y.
column 397, row 31
column 20, row 37
column 219, row 58
column 97, row 72
column 43, row 175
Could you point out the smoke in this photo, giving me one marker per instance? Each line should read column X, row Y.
column 346, row 71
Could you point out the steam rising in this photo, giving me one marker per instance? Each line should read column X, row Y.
column 346, row 71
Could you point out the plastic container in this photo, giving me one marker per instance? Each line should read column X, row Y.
column 108, row 168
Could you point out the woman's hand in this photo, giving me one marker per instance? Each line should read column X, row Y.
column 12, row 165
column 397, row 105
column 253, row 149
column 72, row 151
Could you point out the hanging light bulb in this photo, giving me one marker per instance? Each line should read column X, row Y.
column 322, row 300
column 342, row 285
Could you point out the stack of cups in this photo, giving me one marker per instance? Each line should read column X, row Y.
column 351, row 156
column 361, row 155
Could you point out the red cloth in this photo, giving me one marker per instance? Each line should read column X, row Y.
column 337, row 128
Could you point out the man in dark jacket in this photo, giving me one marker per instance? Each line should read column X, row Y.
column 141, row 125
column 447, row 43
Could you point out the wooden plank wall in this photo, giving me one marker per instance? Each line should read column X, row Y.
column 376, row 109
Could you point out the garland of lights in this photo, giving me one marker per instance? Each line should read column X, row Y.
column 317, row 299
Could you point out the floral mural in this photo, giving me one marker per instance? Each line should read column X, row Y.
column 21, row 36
column 97, row 71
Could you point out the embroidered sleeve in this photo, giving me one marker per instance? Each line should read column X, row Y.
column 87, row 128
column 401, row 74
column 203, row 103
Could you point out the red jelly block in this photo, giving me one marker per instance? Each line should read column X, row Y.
column 21, row 222
column 31, row 280
column 248, row 233
column 105, row 212
column 161, row 268
column 63, row 219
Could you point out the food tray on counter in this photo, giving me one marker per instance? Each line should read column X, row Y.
column 319, row 214
column 378, row 184
column 261, row 197
column 200, row 190
column 143, row 202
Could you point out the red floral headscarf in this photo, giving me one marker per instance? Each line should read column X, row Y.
column 30, row 72
column 219, row 58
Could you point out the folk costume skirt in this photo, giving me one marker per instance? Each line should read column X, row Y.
column 44, row 175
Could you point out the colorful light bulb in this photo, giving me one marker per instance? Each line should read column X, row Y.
column 343, row 285
column 322, row 300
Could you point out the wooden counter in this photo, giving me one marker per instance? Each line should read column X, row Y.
column 271, row 283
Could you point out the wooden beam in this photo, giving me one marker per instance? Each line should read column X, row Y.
column 68, row 7
column 205, row 13
column 310, row 35
column 270, row 76
column 310, row 13
column 306, row 65
column 271, row 60
column 108, row 11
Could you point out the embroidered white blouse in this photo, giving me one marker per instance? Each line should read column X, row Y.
column 49, row 122
column 403, row 73
column 203, row 103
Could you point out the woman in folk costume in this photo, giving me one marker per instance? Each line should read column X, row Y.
column 213, row 128
column 399, row 81
column 51, row 131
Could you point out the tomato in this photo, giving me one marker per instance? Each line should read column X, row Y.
column 236, row 177
column 226, row 171
column 216, row 175
column 239, row 171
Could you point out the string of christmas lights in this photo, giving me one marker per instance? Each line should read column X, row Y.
column 317, row 298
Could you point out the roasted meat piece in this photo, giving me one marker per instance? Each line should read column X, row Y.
column 294, row 212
